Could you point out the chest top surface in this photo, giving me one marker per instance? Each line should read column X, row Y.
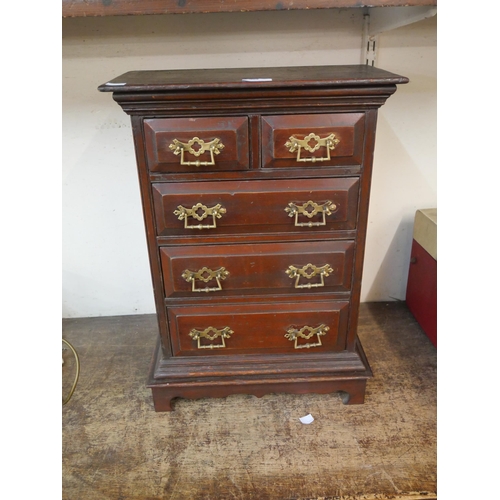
column 248, row 78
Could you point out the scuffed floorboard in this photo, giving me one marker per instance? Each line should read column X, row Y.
column 116, row 447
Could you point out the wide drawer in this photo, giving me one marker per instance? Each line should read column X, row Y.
column 197, row 144
column 303, row 267
column 230, row 207
column 263, row 328
column 312, row 140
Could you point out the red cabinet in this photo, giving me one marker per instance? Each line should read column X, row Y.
column 421, row 290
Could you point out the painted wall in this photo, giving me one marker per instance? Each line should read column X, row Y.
column 105, row 266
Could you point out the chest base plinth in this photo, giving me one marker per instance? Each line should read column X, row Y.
column 344, row 372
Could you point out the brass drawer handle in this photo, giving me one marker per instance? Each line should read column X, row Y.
column 214, row 147
column 224, row 333
column 294, row 334
column 312, row 143
column 309, row 210
column 200, row 212
column 309, row 272
column 205, row 274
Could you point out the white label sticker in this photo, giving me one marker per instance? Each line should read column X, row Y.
column 256, row 79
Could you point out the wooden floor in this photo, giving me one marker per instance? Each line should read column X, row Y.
column 116, row 447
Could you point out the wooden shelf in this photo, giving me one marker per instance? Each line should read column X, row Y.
column 90, row 8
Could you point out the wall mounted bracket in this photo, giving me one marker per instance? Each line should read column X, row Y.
column 378, row 20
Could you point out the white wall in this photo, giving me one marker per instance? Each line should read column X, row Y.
column 105, row 266
column 404, row 176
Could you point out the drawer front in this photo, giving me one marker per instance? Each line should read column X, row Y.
column 304, row 268
column 176, row 144
column 312, row 140
column 252, row 328
column 236, row 207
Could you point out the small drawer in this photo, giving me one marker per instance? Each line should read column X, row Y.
column 258, row 328
column 290, row 141
column 179, row 145
column 237, row 207
column 221, row 270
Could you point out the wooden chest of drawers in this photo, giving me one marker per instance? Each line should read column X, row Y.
column 255, row 188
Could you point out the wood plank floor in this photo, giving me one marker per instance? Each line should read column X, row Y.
column 116, row 447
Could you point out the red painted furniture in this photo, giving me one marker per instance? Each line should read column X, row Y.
column 421, row 291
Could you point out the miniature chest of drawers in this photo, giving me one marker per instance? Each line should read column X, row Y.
column 255, row 188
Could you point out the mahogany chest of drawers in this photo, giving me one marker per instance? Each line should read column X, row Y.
column 255, row 187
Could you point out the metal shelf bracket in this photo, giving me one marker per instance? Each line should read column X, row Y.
column 378, row 20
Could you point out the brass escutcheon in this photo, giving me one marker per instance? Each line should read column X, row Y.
column 213, row 147
column 205, row 274
column 294, row 334
column 308, row 272
column 309, row 210
column 224, row 333
column 184, row 213
column 312, row 143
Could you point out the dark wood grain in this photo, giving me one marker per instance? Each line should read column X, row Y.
column 258, row 206
column 348, row 129
column 255, row 239
column 363, row 205
column 258, row 268
column 258, row 328
column 237, row 101
column 251, row 78
column 231, row 131
column 79, row 8
column 150, row 227
column 350, row 380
